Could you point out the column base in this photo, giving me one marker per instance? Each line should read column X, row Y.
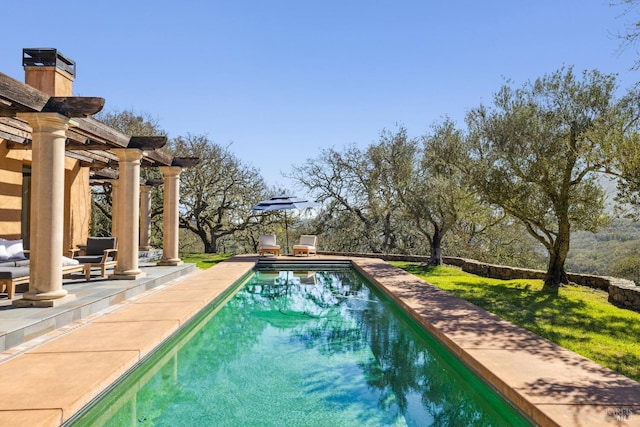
column 127, row 275
column 170, row 262
column 43, row 302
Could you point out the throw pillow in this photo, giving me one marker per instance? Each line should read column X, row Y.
column 15, row 249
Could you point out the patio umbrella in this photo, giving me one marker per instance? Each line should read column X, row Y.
column 282, row 203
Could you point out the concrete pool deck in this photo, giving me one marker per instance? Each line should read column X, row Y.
column 46, row 381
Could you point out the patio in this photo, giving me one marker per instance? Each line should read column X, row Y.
column 24, row 325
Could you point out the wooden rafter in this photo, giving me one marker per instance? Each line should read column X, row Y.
column 17, row 97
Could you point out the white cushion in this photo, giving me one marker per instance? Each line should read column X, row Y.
column 270, row 246
column 4, row 255
column 15, row 249
column 267, row 240
column 307, row 240
column 311, row 248
column 69, row 261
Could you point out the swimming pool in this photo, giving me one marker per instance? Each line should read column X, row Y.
column 301, row 348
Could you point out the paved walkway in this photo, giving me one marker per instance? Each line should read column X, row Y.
column 52, row 377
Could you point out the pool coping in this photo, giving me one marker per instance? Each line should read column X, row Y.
column 48, row 383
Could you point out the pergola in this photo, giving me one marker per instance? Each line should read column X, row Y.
column 57, row 127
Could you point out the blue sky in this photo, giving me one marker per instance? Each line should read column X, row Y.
column 281, row 79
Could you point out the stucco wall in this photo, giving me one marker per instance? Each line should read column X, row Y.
column 77, row 204
column 10, row 191
column 77, row 197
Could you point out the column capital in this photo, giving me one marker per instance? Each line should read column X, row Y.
column 128, row 154
column 168, row 171
column 47, row 122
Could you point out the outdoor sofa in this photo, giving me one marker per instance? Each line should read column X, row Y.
column 14, row 266
column 100, row 252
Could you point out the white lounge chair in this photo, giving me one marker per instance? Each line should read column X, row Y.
column 307, row 245
column 267, row 245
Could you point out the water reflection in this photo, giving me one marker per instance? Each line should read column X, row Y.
column 311, row 348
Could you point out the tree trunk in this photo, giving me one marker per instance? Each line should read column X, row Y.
column 436, row 248
column 556, row 276
column 210, row 247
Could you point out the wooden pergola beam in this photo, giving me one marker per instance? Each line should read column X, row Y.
column 14, row 130
column 73, row 106
column 185, row 162
column 87, row 160
column 158, row 158
column 16, row 97
column 98, row 131
column 104, row 174
column 147, row 142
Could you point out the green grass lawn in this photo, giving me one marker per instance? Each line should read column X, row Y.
column 578, row 318
column 204, row 260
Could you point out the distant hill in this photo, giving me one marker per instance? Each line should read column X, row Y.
column 593, row 253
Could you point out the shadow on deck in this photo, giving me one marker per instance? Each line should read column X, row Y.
column 19, row 325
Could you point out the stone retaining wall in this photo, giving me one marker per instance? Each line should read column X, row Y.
column 623, row 293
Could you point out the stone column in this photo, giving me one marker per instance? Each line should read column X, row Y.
column 114, row 204
column 145, row 217
column 171, row 176
column 47, row 209
column 127, row 214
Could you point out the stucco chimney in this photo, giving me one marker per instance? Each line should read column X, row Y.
column 48, row 70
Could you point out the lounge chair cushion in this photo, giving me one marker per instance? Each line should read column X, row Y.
column 90, row 259
column 4, row 255
column 69, row 261
column 307, row 240
column 267, row 245
column 97, row 245
column 307, row 245
column 268, row 241
column 13, row 272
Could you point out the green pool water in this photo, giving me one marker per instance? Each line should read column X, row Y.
column 312, row 348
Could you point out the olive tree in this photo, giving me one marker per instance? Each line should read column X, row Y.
column 631, row 35
column 535, row 156
column 399, row 195
column 217, row 194
column 437, row 194
column 356, row 195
